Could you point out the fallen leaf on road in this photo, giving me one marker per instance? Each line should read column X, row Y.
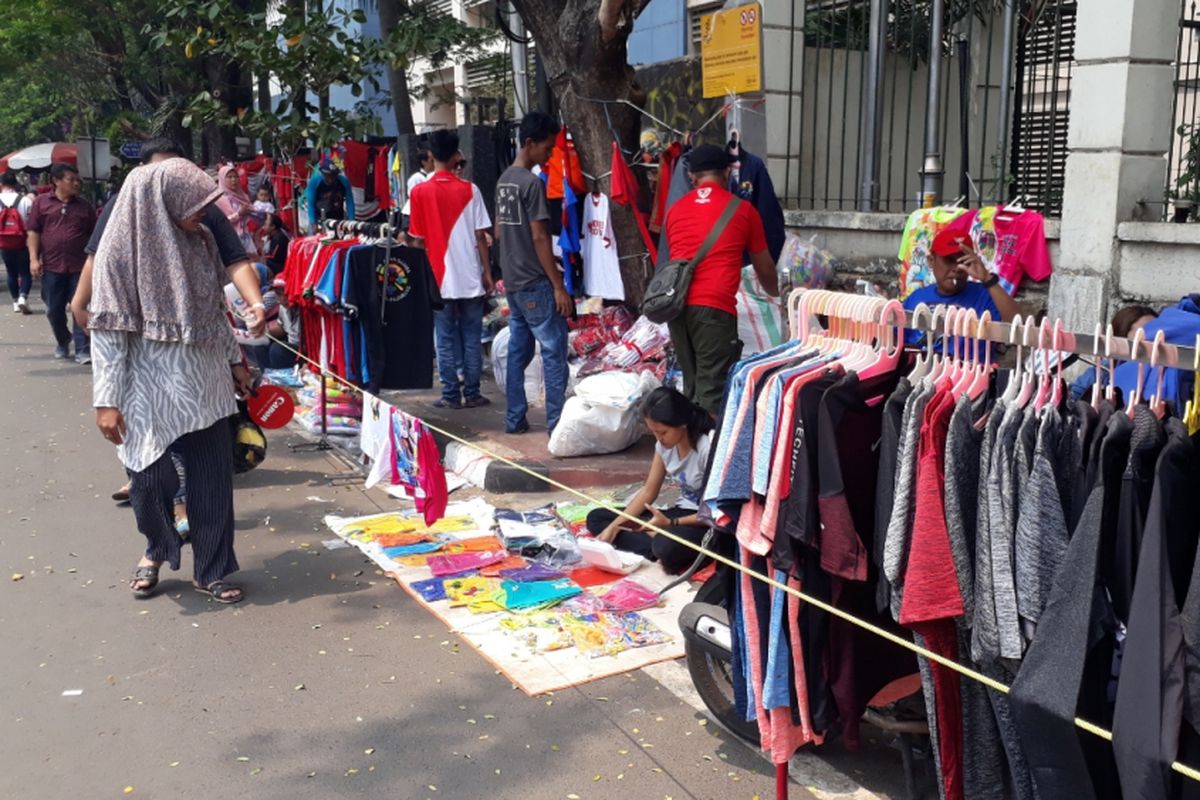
column 18, row 576
column 299, row 687
column 128, row 790
column 256, row 770
column 369, row 751
column 173, row 764
column 243, row 758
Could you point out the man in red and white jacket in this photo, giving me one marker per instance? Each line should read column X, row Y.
column 449, row 219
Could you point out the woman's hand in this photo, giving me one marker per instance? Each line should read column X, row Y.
column 256, row 319
column 243, row 381
column 112, row 424
column 610, row 533
column 657, row 519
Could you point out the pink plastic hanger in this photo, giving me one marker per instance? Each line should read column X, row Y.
column 1139, row 338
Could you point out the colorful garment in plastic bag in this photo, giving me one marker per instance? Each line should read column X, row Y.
column 457, row 563
column 629, row 595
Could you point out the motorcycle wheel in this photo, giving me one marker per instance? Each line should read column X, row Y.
column 713, row 679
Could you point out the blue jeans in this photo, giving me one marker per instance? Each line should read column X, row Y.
column 534, row 318
column 57, row 290
column 459, row 328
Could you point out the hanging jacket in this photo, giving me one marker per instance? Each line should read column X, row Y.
column 1180, row 324
column 754, row 183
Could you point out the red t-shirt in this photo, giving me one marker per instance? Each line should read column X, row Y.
column 716, row 278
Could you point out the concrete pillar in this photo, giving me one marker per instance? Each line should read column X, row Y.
column 1120, row 131
column 783, row 46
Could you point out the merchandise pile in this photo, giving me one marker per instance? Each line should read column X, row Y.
column 522, row 574
column 341, row 408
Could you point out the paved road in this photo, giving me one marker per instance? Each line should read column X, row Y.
column 327, row 682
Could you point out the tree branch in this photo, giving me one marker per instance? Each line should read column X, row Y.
column 610, row 18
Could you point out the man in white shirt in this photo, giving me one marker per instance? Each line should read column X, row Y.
column 14, row 252
column 428, row 165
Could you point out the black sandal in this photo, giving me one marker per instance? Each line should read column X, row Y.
column 217, row 589
column 147, row 574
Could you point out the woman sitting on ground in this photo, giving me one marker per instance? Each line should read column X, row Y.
column 683, row 434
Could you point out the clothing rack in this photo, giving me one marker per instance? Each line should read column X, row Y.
column 965, row 323
column 341, row 227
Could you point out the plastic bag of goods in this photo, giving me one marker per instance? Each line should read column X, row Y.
column 534, row 380
column 759, row 316
column 604, row 416
column 803, row 265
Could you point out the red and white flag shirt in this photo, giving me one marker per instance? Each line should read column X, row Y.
column 446, row 213
column 601, row 266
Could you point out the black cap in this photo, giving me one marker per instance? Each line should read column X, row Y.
column 708, row 158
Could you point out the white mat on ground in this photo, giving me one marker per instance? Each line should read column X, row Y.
column 534, row 672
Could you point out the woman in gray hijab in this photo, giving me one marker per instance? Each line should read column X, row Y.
column 165, row 367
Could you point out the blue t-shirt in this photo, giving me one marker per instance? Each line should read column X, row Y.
column 974, row 295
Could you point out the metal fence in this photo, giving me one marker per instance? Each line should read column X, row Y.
column 985, row 159
column 1183, row 160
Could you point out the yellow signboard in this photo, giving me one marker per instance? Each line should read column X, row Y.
column 731, row 51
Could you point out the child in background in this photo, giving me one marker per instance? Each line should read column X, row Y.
column 263, row 203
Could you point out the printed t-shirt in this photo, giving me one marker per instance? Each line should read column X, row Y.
column 520, row 201
column 601, row 265
column 377, row 437
column 687, row 470
column 1012, row 244
column 922, row 225
column 715, row 279
column 446, row 212
column 391, row 300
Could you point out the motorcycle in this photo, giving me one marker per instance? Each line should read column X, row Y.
column 708, row 640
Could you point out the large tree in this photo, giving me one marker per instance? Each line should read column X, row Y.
column 582, row 44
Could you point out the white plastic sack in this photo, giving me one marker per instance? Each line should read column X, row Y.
column 604, row 416
column 535, row 389
column 759, row 316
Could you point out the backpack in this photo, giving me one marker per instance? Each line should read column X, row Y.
column 12, row 226
column 667, row 293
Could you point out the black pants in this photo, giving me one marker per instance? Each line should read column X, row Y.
column 675, row 557
column 57, row 290
column 20, row 279
column 208, row 463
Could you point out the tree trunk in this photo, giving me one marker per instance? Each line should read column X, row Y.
column 389, row 16
column 578, row 65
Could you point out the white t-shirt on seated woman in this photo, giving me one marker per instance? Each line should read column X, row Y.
column 687, row 471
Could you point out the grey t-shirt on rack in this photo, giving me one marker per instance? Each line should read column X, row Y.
column 520, row 201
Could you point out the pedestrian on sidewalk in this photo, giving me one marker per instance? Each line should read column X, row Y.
column 705, row 335
column 166, row 367
column 450, row 221
column 59, row 225
column 14, row 245
column 537, row 300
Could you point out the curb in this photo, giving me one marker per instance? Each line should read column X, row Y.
column 487, row 473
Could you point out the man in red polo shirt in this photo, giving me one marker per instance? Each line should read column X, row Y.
column 705, row 334
column 449, row 219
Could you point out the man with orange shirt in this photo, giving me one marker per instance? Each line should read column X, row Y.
column 705, row 335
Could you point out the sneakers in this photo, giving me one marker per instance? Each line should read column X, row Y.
column 22, row 305
column 444, row 403
column 17, row 306
column 61, row 353
column 476, row 402
column 83, row 359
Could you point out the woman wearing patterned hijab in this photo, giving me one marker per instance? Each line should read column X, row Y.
column 165, row 366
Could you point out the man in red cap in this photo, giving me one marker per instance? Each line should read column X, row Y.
column 955, row 261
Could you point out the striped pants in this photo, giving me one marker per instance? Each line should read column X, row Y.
column 208, row 463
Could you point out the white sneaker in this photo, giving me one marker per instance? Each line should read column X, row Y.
column 22, row 305
column 17, row 307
